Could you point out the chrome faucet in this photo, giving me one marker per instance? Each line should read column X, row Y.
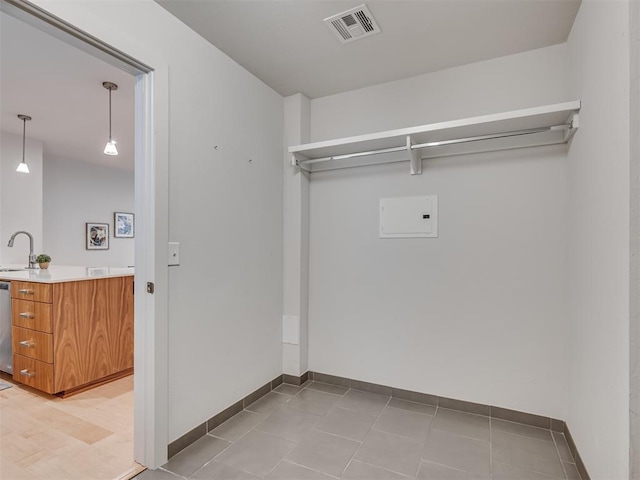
column 32, row 256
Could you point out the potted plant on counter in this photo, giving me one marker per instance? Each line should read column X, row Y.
column 43, row 260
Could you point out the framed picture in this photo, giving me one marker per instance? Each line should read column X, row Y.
column 123, row 224
column 97, row 236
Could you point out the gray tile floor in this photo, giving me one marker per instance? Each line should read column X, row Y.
column 320, row 431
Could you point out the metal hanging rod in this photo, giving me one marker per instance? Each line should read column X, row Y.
column 515, row 133
column 344, row 167
column 354, row 155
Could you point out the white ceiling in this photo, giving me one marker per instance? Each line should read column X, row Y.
column 286, row 44
column 60, row 87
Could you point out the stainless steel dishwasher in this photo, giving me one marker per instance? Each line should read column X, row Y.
column 6, row 350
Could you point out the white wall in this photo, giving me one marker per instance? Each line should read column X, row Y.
column 598, row 413
column 77, row 192
column 513, row 82
column 225, row 299
column 634, row 235
column 476, row 314
column 295, row 305
column 20, row 198
column 225, row 207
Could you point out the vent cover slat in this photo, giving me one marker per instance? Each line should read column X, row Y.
column 341, row 30
column 365, row 21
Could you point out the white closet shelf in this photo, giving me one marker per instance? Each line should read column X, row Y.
column 546, row 125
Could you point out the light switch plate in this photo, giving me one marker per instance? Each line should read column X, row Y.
column 174, row 253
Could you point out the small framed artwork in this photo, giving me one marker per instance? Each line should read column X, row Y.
column 123, row 224
column 97, row 236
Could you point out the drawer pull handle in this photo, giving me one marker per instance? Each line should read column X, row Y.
column 26, row 315
column 26, row 291
column 26, row 343
column 26, row 373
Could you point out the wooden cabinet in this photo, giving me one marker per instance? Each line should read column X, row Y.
column 31, row 315
column 36, row 292
column 34, row 373
column 33, row 344
column 72, row 334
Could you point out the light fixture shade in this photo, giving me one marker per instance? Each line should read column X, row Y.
column 22, row 168
column 110, row 148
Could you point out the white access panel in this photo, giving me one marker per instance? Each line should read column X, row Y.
column 409, row 217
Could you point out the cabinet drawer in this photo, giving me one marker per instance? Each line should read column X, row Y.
column 32, row 315
column 34, row 373
column 32, row 344
column 38, row 292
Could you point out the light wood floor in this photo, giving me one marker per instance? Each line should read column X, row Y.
column 86, row 436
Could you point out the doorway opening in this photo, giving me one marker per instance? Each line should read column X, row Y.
column 149, row 397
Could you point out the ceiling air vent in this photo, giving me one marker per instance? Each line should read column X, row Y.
column 353, row 24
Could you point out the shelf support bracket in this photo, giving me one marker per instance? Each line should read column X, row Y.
column 574, row 121
column 414, row 157
column 296, row 158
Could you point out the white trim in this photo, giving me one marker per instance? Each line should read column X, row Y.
column 150, row 365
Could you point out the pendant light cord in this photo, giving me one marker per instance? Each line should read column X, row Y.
column 110, row 115
column 24, row 134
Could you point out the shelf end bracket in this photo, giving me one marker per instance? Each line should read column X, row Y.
column 575, row 123
column 296, row 158
column 414, row 157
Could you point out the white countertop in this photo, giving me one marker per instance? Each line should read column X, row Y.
column 57, row 274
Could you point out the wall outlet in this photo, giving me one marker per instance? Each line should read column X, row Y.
column 174, row 253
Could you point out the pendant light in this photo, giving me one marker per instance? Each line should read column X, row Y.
column 22, row 166
column 110, row 148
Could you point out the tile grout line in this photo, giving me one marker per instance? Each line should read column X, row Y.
column 513, row 434
column 490, row 446
column 252, row 429
column 388, row 433
column 525, row 425
column 564, row 470
column 171, row 473
column 281, row 460
column 283, row 438
column 323, row 391
column 241, row 437
column 314, row 429
column 308, row 468
column 365, row 435
column 463, row 436
column 424, row 449
column 413, row 411
column 214, row 457
column 336, row 435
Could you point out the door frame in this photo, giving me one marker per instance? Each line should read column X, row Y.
column 151, row 208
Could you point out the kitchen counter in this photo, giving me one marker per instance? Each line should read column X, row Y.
column 71, row 327
column 59, row 274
